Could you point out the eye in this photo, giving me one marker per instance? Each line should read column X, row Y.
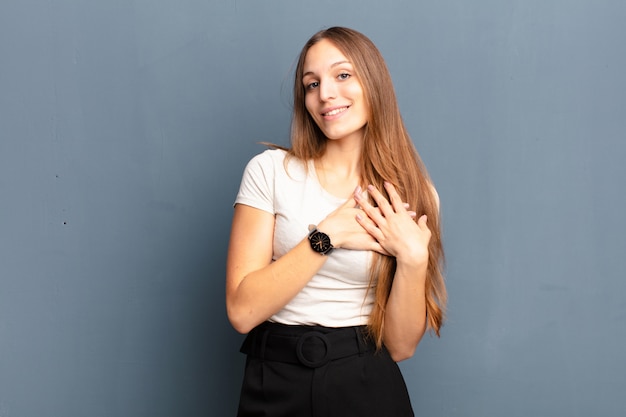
column 344, row 76
column 312, row 85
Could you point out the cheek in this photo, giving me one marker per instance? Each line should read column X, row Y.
column 355, row 90
column 357, row 93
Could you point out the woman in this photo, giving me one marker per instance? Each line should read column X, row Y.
column 335, row 259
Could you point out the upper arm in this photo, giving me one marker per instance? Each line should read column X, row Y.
column 251, row 244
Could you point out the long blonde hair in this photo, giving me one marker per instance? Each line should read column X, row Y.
column 388, row 155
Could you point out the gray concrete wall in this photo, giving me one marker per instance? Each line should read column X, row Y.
column 124, row 130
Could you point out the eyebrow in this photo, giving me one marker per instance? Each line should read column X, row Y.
column 332, row 66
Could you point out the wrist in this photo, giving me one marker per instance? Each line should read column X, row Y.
column 328, row 229
column 413, row 260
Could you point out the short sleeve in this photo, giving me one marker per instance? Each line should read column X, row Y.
column 257, row 184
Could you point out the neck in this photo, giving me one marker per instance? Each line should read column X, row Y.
column 342, row 158
column 343, row 154
column 338, row 169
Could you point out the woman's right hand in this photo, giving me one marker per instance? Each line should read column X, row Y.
column 345, row 231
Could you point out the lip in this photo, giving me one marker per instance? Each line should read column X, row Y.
column 324, row 112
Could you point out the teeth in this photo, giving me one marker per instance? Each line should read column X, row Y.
column 336, row 111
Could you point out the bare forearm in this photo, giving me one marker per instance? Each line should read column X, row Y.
column 405, row 316
column 256, row 287
column 264, row 292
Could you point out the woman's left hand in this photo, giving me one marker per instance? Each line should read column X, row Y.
column 393, row 226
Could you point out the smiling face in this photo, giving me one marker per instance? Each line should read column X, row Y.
column 333, row 94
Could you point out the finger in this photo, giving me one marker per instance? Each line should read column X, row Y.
column 377, row 247
column 374, row 245
column 370, row 227
column 380, row 199
column 371, row 211
column 422, row 221
column 394, row 197
column 366, row 223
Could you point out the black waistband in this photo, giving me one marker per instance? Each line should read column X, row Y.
column 312, row 346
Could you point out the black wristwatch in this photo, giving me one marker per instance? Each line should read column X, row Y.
column 320, row 242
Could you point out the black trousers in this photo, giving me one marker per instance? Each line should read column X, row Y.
column 306, row 371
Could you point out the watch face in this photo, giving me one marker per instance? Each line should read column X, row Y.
column 320, row 242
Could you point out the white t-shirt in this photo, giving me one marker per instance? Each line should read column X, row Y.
column 338, row 294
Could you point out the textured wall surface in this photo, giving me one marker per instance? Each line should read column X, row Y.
column 124, row 130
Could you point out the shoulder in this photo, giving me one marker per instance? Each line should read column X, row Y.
column 266, row 161
column 279, row 162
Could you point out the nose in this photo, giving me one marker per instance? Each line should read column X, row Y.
column 328, row 90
